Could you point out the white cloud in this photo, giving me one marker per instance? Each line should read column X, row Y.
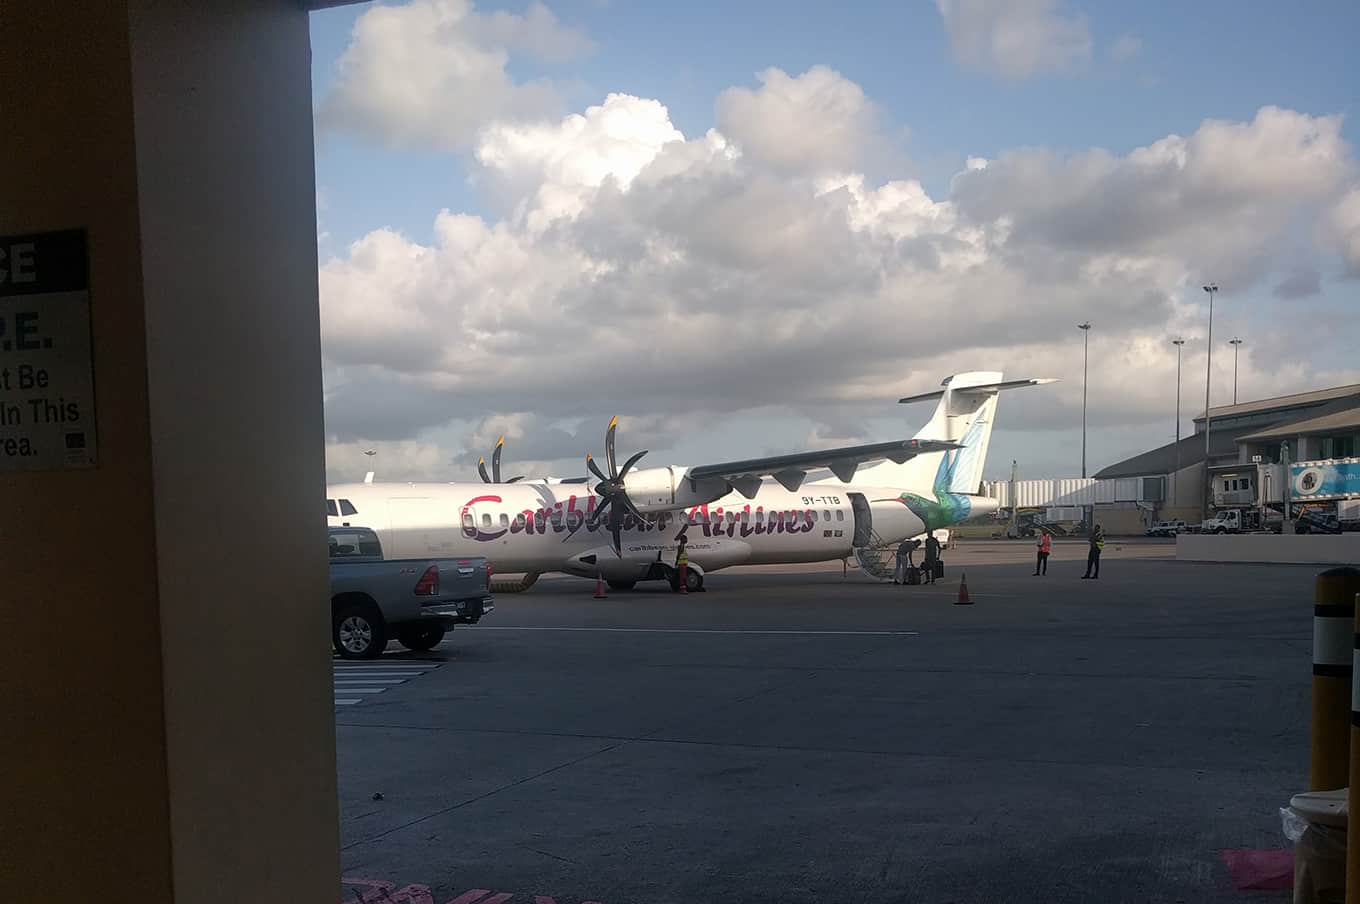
column 1345, row 223
column 1221, row 198
column 548, row 169
column 1015, row 38
column 432, row 73
column 817, row 122
column 680, row 283
column 1125, row 48
column 403, row 460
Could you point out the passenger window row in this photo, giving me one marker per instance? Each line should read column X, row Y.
column 664, row 519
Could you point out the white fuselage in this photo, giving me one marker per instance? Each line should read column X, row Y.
column 539, row 527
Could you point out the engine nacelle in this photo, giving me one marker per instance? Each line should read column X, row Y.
column 668, row 489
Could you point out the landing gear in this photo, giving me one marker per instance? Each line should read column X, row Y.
column 694, row 581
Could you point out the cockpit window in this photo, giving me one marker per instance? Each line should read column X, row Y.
column 347, row 508
column 331, row 509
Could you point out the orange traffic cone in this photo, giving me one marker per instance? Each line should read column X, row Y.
column 963, row 599
column 599, row 588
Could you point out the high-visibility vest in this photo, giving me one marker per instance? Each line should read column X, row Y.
column 1045, row 544
column 681, row 556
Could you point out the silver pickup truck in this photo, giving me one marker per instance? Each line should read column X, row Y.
column 414, row 600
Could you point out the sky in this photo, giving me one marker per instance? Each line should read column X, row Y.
column 750, row 228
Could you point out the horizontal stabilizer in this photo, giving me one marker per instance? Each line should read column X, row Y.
column 981, row 390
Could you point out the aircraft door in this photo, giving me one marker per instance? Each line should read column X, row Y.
column 864, row 520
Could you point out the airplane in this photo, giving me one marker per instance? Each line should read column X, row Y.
column 624, row 528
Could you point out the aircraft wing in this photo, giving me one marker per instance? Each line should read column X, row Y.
column 791, row 470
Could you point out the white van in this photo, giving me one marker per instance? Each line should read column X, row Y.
column 941, row 534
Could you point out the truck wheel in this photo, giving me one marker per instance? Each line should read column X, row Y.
column 420, row 637
column 358, row 632
column 693, row 580
column 1221, row 530
column 622, row 585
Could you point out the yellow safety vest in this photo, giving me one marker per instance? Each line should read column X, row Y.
column 681, row 557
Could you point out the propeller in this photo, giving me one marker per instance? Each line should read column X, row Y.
column 495, row 475
column 612, row 488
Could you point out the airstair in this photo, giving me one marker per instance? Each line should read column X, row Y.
column 878, row 559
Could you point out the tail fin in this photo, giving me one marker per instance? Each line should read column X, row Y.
column 965, row 414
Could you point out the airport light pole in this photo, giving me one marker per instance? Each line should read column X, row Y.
column 1085, row 357
column 370, row 453
column 1175, row 477
column 1211, row 289
column 1235, row 342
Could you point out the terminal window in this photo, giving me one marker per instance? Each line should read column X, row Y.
column 1338, row 447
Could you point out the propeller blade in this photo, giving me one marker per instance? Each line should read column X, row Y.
column 594, row 468
column 496, row 460
column 513, row 479
column 609, row 447
column 615, row 521
column 481, row 469
column 633, row 510
column 628, row 465
column 597, row 516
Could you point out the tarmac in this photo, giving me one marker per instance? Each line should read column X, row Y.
column 808, row 735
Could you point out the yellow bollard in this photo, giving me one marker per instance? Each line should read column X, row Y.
column 1333, row 640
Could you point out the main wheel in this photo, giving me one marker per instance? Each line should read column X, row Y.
column 622, row 585
column 693, row 580
column 420, row 637
column 358, row 632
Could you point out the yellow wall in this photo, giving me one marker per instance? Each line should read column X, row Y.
column 169, row 729
column 84, row 789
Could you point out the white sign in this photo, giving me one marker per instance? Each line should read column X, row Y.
column 47, row 414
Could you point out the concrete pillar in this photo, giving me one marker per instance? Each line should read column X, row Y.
column 168, row 719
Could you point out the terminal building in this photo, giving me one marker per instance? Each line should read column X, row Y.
column 1250, row 446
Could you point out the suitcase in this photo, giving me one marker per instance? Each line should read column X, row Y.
column 939, row 569
column 913, row 576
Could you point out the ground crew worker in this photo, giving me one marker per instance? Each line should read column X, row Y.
column 932, row 557
column 1093, row 554
column 1045, row 547
column 904, row 563
column 682, row 563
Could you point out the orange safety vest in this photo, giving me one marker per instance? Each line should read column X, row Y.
column 1045, row 543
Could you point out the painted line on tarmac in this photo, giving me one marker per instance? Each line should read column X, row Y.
column 706, row 631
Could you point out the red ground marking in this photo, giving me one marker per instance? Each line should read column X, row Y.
column 380, row 891
column 1271, row 869
column 471, row 897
